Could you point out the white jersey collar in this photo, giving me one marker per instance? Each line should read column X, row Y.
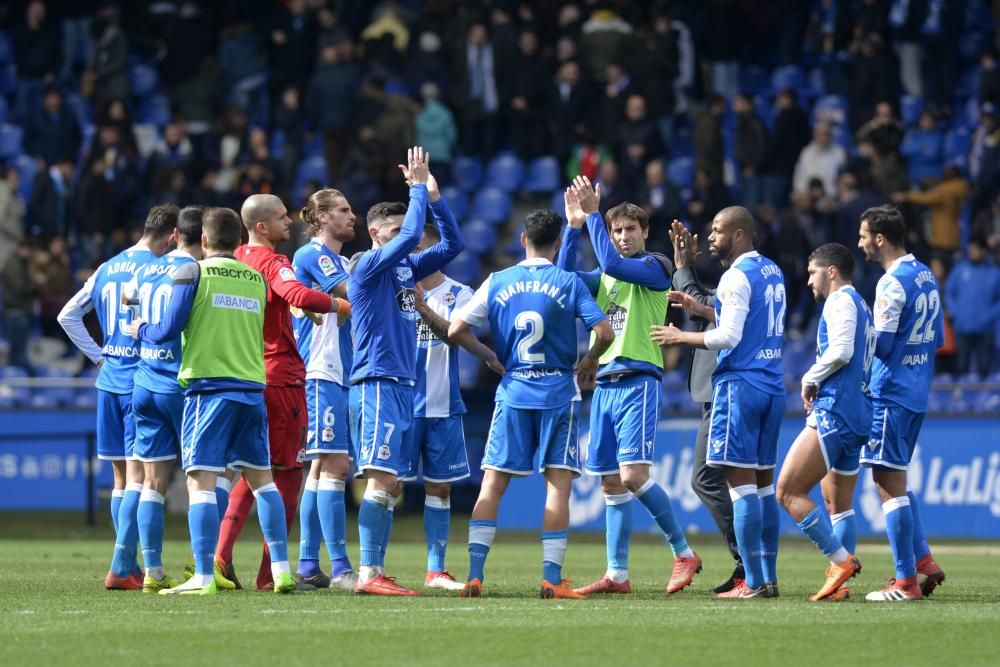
column 908, row 257
column 534, row 261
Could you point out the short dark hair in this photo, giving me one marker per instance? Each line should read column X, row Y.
column 836, row 255
column 543, row 227
column 160, row 221
column 189, row 224
column 223, row 228
column 887, row 221
column 630, row 211
column 385, row 210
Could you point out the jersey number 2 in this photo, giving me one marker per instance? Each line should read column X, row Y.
column 531, row 322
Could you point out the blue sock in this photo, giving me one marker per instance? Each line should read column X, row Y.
column 553, row 554
column 386, row 535
column 816, row 526
column 310, row 530
column 203, row 522
column 656, row 501
column 481, row 534
column 845, row 527
column 222, row 488
column 618, row 522
column 899, row 526
column 333, row 522
column 747, row 524
column 372, row 518
column 127, row 535
column 271, row 514
column 149, row 516
column 116, row 503
column 920, row 546
column 770, row 532
column 437, row 520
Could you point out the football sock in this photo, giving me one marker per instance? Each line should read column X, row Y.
column 553, row 554
column 618, row 523
column 271, row 514
column 149, row 516
column 310, row 530
column 240, row 502
column 222, row 488
column 333, row 520
column 899, row 526
column 656, row 501
column 127, row 535
column 748, row 526
column 287, row 483
column 437, row 519
column 920, row 546
column 816, row 526
column 116, row 503
column 372, row 518
column 203, row 522
column 845, row 527
column 384, row 544
column 481, row 534
column 770, row 532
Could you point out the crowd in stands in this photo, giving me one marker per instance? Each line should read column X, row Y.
column 806, row 111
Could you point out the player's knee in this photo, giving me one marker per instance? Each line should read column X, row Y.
column 438, row 490
column 633, row 477
column 611, row 485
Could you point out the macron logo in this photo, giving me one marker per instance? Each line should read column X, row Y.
column 235, row 302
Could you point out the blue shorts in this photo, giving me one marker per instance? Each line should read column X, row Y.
column 841, row 448
column 744, row 426
column 115, row 428
column 157, row 424
column 329, row 425
column 516, row 434
column 623, row 418
column 381, row 414
column 226, row 429
column 439, row 444
column 893, row 437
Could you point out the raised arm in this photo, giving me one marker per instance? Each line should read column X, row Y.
column 175, row 317
column 438, row 255
column 71, row 320
column 566, row 259
column 281, row 280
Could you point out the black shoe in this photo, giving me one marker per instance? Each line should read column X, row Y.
column 230, row 573
column 770, row 590
column 318, row 580
column 733, row 581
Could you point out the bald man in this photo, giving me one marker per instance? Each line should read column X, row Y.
column 266, row 220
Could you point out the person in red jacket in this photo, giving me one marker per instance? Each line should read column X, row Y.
column 267, row 222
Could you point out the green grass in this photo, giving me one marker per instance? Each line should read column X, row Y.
column 53, row 610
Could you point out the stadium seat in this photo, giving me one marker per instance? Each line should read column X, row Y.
column 79, row 106
column 788, row 76
column 987, row 402
column 155, row 109
column 558, row 203
column 830, row 108
column 842, row 135
column 505, row 172
column 26, row 169
column 6, row 49
column 312, row 145
column 144, row 80
column 754, row 80
column 680, row 172
column 10, row 141
column 277, row 145
column 957, row 143
column 312, row 169
column 458, row 202
column 492, row 205
column 86, row 397
column 467, row 172
column 543, row 175
column 8, row 79
column 480, row 236
column 465, row 268
column 765, row 110
column 910, row 107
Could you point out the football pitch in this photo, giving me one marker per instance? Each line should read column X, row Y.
column 54, row 610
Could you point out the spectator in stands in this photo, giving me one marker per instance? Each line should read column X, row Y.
column 709, row 152
column 474, row 92
column 108, row 73
column 109, row 185
column 429, row 66
column 662, row 201
column 984, row 158
column 116, row 113
column 568, row 110
column 888, row 173
column 172, row 152
column 20, row 292
column 52, row 265
column 907, row 20
column 38, row 57
column 638, row 142
column 52, row 204
column 188, row 42
column 53, row 131
column 989, row 77
column 77, row 43
column 436, row 130
column 874, row 76
column 11, row 213
column 708, row 197
column 973, row 299
column 242, row 69
column 750, row 149
column 291, row 45
column 612, row 190
column 923, row 148
column 288, row 120
column 884, row 131
column 945, row 199
column 789, row 136
column 940, row 32
column 821, row 159
column 587, row 156
column 330, row 102
column 228, row 146
column 854, row 196
column 654, row 64
column 618, row 87
column 604, row 39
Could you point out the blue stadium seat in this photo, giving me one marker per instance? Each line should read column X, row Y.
column 680, row 172
column 8, row 79
column 492, row 205
column 154, row 110
column 957, row 143
column 277, row 144
column 754, row 80
column 458, row 202
column 80, row 107
column 788, row 76
column 558, row 204
column 544, row 175
column 10, row 141
column 480, row 236
column 6, row 49
column 987, row 402
column 312, row 145
column 26, row 169
column 842, row 135
column 910, row 107
column 86, row 397
column 465, row 268
column 830, row 108
column 144, row 80
column 765, row 110
column 467, row 172
column 312, row 169
column 505, row 172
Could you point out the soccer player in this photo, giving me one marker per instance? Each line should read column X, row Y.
column 266, row 220
column 327, row 351
column 837, row 400
column 117, row 359
column 157, row 398
column 749, row 391
column 532, row 309
column 218, row 305
column 910, row 328
column 381, row 291
column 631, row 287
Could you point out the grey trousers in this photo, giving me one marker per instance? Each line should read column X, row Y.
column 710, row 485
